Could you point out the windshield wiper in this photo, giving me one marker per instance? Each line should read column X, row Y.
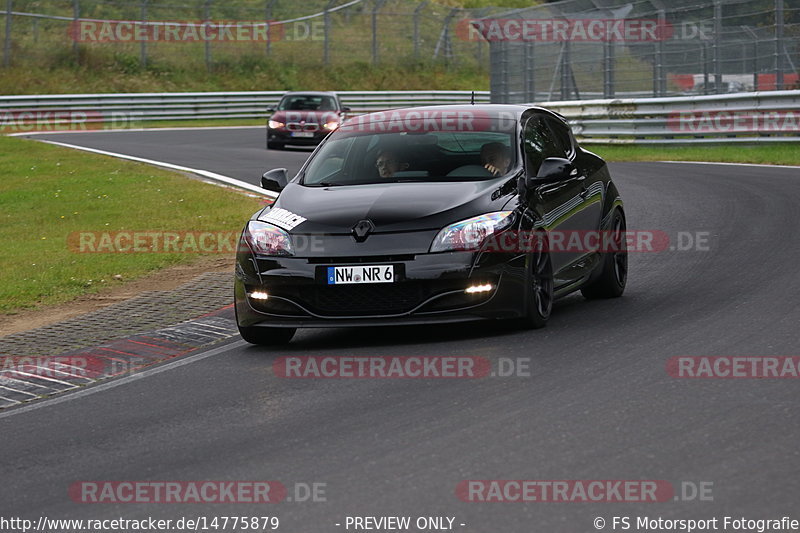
column 329, row 184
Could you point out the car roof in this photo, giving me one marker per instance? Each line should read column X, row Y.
column 310, row 93
column 490, row 110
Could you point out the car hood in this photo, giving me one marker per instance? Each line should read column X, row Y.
column 391, row 207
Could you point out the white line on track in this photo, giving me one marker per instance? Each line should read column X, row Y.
column 761, row 165
column 125, row 130
column 68, row 397
column 204, row 173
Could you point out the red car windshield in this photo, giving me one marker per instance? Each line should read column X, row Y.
column 302, row 102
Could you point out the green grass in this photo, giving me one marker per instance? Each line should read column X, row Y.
column 775, row 154
column 48, row 193
column 103, row 74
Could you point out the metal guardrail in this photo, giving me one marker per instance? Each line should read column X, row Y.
column 741, row 117
column 127, row 109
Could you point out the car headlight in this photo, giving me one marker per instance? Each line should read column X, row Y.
column 331, row 126
column 266, row 239
column 469, row 234
column 274, row 124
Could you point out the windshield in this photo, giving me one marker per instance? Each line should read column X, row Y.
column 355, row 157
column 307, row 102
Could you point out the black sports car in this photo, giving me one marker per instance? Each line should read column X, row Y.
column 418, row 216
column 304, row 118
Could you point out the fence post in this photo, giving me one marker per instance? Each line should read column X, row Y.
column 7, row 40
column 326, row 59
column 753, row 35
column 505, row 96
column 779, row 49
column 76, row 15
column 417, row 11
column 479, row 44
column 143, row 44
column 268, row 18
column 704, row 58
column 565, row 70
column 717, row 46
column 444, row 38
column 206, row 19
column 530, row 71
column 661, row 80
column 375, row 9
column 609, row 64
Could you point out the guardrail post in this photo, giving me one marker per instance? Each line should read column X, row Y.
column 717, row 46
column 7, row 37
column 779, row 49
column 143, row 45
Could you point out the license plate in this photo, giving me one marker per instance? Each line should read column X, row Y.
column 302, row 134
column 348, row 275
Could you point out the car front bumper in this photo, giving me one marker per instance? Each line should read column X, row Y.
column 429, row 288
column 284, row 136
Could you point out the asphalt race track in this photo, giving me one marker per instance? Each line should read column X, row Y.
column 599, row 403
column 239, row 153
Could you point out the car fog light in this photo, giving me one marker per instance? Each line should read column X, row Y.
column 259, row 295
column 479, row 288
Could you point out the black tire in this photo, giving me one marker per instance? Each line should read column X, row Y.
column 614, row 273
column 540, row 297
column 266, row 336
column 274, row 146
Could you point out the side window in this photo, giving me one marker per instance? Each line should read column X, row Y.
column 561, row 137
column 539, row 144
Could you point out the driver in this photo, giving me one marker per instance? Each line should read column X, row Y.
column 389, row 162
column 496, row 158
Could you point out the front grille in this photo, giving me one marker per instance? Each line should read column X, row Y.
column 308, row 126
column 368, row 259
column 368, row 299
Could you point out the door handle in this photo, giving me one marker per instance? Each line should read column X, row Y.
column 585, row 189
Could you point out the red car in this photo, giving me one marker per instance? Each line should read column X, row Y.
column 304, row 118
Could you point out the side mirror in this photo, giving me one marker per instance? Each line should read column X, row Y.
column 346, row 109
column 274, row 180
column 552, row 170
column 555, row 169
column 271, row 109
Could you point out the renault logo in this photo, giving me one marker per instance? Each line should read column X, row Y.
column 362, row 230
